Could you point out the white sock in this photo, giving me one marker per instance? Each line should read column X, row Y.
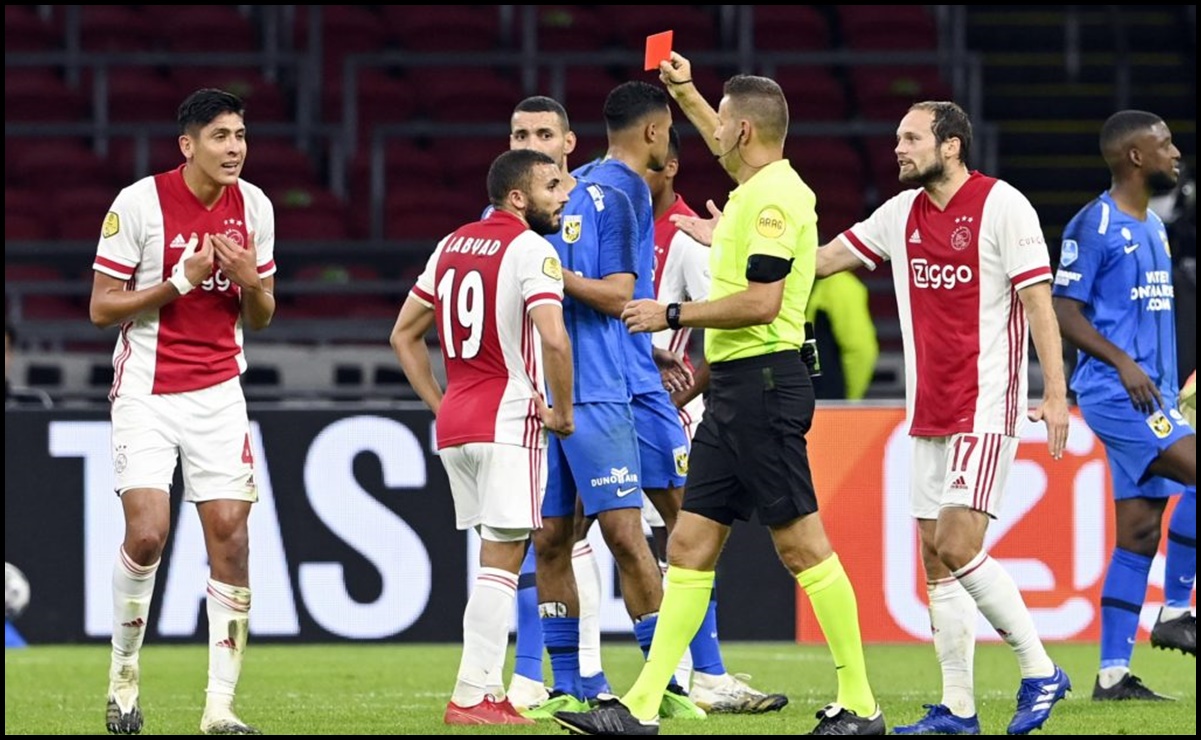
column 953, row 622
column 1001, row 603
column 229, row 629
column 1168, row 613
column 485, row 635
column 1112, row 676
column 588, row 583
column 684, row 671
column 133, row 587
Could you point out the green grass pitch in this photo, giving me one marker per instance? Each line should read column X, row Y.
column 378, row 689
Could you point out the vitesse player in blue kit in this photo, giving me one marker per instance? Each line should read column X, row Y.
column 1114, row 300
column 600, row 462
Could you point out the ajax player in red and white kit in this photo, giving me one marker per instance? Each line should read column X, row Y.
column 185, row 258
column 494, row 291
column 972, row 278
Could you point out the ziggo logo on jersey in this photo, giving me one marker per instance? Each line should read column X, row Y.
column 930, row 275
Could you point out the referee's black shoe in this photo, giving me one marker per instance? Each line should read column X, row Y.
column 838, row 720
column 610, row 717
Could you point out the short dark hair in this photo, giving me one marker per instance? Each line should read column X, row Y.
column 630, row 102
column 513, row 170
column 950, row 122
column 761, row 100
column 544, row 104
column 1122, row 124
column 201, row 107
column 673, row 142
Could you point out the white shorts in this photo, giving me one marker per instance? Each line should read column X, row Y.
column 497, row 488
column 966, row 469
column 206, row 429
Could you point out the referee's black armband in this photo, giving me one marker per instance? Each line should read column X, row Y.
column 763, row 268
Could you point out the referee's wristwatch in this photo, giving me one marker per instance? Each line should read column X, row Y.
column 673, row 316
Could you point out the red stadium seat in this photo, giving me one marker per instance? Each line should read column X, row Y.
column 882, row 166
column 444, row 28
column 141, row 95
column 353, row 303
column 406, row 166
column 36, row 94
column 813, row 93
column 572, row 28
column 887, row 27
column 694, row 27
column 381, row 98
column 21, row 226
column 162, row 154
column 24, row 31
column 790, row 28
column 465, row 161
column 309, row 214
column 429, row 214
column 41, row 306
column 49, row 164
column 81, row 211
column 263, row 99
column 116, row 28
column 584, row 91
column 884, row 93
column 467, row 94
column 275, row 164
column 345, row 29
column 204, row 28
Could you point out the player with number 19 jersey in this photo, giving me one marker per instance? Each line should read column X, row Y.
column 482, row 280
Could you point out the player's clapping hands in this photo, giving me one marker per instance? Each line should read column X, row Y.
column 238, row 263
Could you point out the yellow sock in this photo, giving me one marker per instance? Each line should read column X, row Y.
column 685, row 599
column 833, row 599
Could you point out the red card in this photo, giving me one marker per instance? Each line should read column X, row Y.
column 658, row 49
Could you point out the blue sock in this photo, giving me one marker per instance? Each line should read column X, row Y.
column 528, row 652
column 1122, row 599
column 644, row 632
column 1180, row 571
column 706, row 651
column 562, row 636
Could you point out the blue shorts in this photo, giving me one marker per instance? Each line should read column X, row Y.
column 599, row 462
column 662, row 442
column 1132, row 441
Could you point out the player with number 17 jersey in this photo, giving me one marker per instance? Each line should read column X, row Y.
column 482, row 280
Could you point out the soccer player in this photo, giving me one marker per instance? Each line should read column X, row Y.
column 750, row 445
column 682, row 274
column 185, row 259
column 600, row 463
column 494, row 288
column 1113, row 297
column 972, row 277
column 637, row 125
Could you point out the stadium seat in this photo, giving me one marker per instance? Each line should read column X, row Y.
column 884, row 93
column 467, row 94
column 406, row 165
column 887, row 27
column 813, row 93
column 39, row 95
column 308, row 214
column 80, row 211
column 275, row 164
column 444, row 28
column 141, row 95
column 24, row 31
column 428, row 215
column 34, row 305
column 353, row 302
column 21, row 227
column 204, row 28
column 381, row 98
column 264, row 100
column 345, row 29
column 571, row 28
column 790, row 28
column 694, row 27
column 583, row 93
column 465, row 161
column 50, row 163
column 882, row 166
column 116, row 28
column 162, row 154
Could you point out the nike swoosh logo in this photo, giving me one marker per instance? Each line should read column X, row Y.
column 1130, row 248
column 625, row 491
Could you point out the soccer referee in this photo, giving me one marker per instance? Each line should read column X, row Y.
column 749, row 452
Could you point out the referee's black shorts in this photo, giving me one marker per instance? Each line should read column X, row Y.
column 749, row 452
